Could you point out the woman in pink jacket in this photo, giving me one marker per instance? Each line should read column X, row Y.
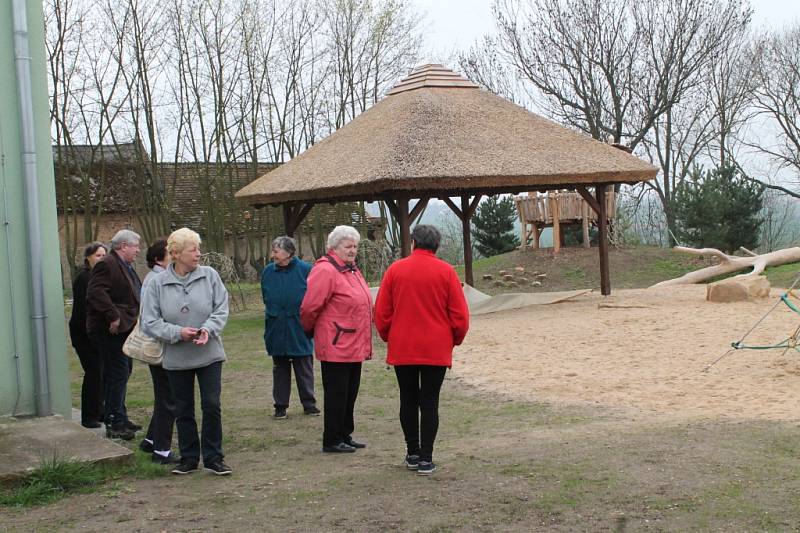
column 337, row 308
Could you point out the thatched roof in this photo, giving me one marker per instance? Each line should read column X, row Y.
column 437, row 132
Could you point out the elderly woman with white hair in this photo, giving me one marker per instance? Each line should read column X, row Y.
column 283, row 285
column 186, row 307
column 337, row 308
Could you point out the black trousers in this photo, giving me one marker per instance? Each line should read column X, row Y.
column 163, row 420
column 341, row 382
column 419, row 406
column 209, row 379
column 92, row 394
column 117, row 368
column 282, row 380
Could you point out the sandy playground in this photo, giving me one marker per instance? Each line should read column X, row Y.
column 640, row 351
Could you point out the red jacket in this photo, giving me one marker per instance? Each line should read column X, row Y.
column 337, row 307
column 421, row 311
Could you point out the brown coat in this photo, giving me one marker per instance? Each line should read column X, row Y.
column 111, row 295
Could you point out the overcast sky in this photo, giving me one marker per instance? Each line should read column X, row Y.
column 456, row 24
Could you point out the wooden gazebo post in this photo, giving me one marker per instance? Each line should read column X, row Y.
column 293, row 215
column 602, row 226
column 399, row 210
column 465, row 214
column 598, row 204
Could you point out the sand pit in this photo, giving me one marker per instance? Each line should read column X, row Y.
column 641, row 351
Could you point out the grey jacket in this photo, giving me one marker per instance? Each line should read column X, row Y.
column 199, row 300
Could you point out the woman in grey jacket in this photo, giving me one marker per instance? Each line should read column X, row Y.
column 186, row 307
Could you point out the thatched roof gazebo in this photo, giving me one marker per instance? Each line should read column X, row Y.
column 438, row 135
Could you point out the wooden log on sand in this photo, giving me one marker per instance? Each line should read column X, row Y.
column 731, row 263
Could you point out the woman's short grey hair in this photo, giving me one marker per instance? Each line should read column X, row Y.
column 426, row 237
column 124, row 236
column 285, row 243
column 343, row 233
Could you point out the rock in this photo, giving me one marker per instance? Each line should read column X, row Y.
column 487, row 277
column 512, row 284
column 498, row 283
column 522, row 280
column 536, row 284
column 508, row 277
column 541, row 276
column 738, row 289
column 502, row 272
column 519, row 269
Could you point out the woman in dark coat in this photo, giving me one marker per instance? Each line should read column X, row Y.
column 91, row 360
column 283, row 285
column 158, row 440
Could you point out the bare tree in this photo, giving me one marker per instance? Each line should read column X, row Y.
column 138, row 31
column 63, row 39
column 776, row 59
column 652, row 74
column 612, row 68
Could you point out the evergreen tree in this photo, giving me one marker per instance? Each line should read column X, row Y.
column 720, row 209
column 493, row 226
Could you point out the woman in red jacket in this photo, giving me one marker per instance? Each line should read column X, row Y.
column 337, row 307
column 422, row 313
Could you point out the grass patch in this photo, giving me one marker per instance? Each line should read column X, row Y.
column 783, row 275
column 57, row 478
column 53, row 480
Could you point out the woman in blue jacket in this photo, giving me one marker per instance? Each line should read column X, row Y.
column 283, row 285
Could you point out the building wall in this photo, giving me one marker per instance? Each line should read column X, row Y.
column 17, row 364
column 107, row 226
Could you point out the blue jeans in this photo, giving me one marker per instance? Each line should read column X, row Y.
column 209, row 379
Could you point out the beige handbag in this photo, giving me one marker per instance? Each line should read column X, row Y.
column 142, row 347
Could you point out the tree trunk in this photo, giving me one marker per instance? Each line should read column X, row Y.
column 731, row 263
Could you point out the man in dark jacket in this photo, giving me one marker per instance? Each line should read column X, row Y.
column 112, row 308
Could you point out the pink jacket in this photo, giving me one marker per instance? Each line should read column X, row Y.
column 337, row 307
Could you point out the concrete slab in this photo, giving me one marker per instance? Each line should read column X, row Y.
column 24, row 443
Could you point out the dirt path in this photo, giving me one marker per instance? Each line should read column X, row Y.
column 555, row 418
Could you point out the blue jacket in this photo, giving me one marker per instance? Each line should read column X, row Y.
column 283, row 290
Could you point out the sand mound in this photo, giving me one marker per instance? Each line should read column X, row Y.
column 642, row 350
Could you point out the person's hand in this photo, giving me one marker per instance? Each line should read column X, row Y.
column 188, row 334
column 113, row 328
column 201, row 338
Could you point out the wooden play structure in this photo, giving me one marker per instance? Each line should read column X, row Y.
column 557, row 209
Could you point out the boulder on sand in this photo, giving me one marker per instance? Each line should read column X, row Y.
column 738, row 289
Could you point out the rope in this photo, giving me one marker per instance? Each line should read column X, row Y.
column 788, row 343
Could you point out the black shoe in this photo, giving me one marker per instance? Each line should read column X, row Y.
column 218, row 468
column 145, row 446
column 355, row 444
column 280, row 413
column 312, row 411
column 119, row 432
column 412, row 462
column 132, row 426
column 425, row 468
column 168, row 460
column 91, row 424
column 340, row 447
column 185, row 467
